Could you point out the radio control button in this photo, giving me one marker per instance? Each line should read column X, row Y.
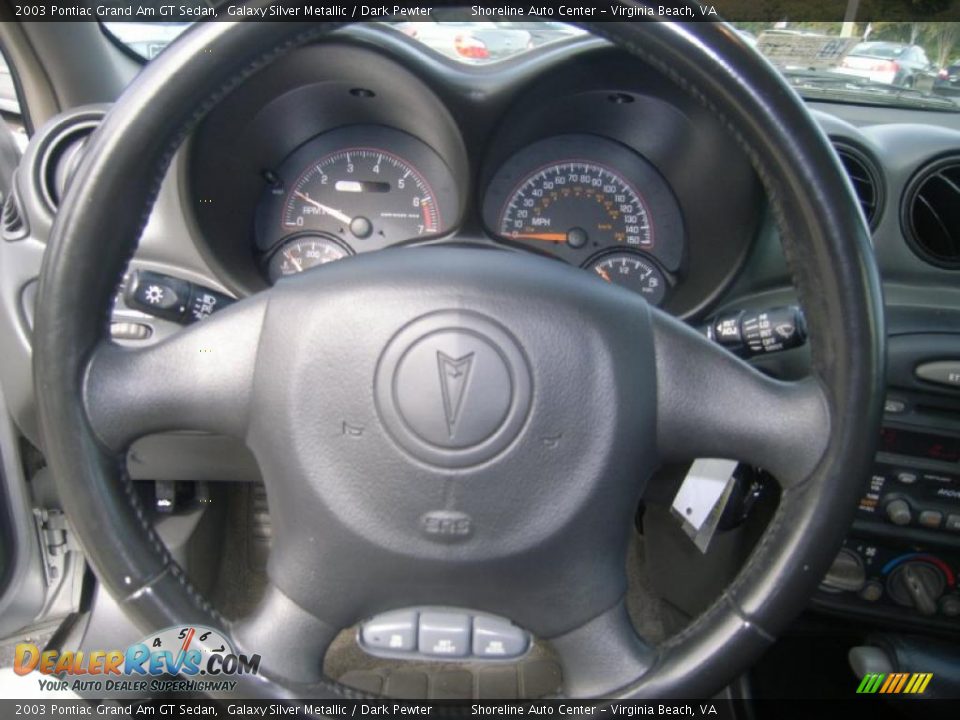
column 907, row 477
column 899, row 512
column 497, row 638
column 396, row 631
column 931, row 519
column 444, row 633
column 953, row 523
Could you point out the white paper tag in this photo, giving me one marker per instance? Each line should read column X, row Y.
column 702, row 497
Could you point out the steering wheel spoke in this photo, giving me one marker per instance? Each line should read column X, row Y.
column 602, row 655
column 713, row 404
column 198, row 379
column 291, row 639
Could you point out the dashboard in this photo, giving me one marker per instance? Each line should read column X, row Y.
column 579, row 155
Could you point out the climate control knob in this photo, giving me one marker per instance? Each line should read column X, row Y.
column 918, row 585
column 846, row 573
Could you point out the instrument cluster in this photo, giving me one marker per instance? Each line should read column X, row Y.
column 579, row 198
column 580, row 154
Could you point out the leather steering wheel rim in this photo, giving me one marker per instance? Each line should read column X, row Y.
column 824, row 237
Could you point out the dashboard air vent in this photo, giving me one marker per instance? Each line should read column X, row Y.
column 60, row 159
column 866, row 181
column 12, row 225
column 931, row 213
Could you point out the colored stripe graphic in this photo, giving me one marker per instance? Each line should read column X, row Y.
column 921, row 684
column 889, row 683
column 894, row 683
column 870, row 683
column 914, row 682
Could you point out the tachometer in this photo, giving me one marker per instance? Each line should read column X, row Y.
column 357, row 191
column 368, row 186
column 577, row 202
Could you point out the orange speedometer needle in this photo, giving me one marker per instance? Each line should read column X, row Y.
column 546, row 237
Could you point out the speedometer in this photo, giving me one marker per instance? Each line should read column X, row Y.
column 574, row 196
column 577, row 202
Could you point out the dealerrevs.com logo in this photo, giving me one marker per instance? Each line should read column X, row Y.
column 203, row 658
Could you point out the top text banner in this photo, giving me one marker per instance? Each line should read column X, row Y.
column 773, row 11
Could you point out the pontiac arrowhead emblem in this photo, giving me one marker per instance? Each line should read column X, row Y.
column 476, row 407
column 454, row 375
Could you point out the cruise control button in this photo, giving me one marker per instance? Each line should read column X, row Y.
column 497, row 638
column 953, row 522
column 391, row 631
column 445, row 634
column 931, row 518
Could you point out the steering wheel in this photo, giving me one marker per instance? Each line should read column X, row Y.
column 387, row 395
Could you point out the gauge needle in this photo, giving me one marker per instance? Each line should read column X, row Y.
column 602, row 273
column 546, row 237
column 296, row 263
column 324, row 208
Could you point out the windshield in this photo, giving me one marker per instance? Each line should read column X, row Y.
column 884, row 63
